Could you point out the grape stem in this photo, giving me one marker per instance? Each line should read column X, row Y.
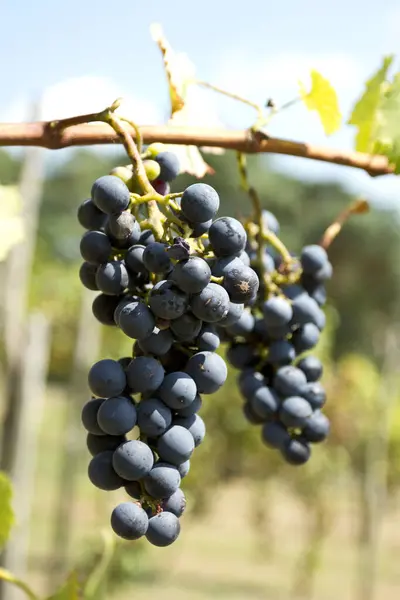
column 359, row 206
column 133, row 153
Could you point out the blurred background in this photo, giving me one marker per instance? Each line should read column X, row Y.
column 254, row 528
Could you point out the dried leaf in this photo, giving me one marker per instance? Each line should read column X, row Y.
column 11, row 221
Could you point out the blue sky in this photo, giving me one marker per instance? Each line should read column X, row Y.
column 84, row 54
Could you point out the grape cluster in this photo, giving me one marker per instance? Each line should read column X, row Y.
column 170, row 294
column 270, row 345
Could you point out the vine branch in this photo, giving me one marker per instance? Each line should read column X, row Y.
column 45, row 135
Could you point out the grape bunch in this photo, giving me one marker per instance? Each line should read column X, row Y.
column 270, row 344
column 170, row 294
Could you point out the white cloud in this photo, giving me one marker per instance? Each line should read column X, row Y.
column 83, row 95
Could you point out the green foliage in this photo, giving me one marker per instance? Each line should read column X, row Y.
column 323, row 99
column 366, row 112
column 6, row 512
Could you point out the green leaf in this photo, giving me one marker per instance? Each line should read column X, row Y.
column 322, row 98
column 70, row 590
column 365, row 113
column 6, row 511
column 387, row 134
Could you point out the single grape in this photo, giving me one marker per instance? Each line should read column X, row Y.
column 317, row 427
column 270, row 222
column 87, row 275
column 175, row 504
column 252, row 417
column 305, row 310
column 107, row 378
column 174, row 359
column 227, row 236
column 244, row 257
column 183, row 468
column 169, row 166
column 295, row 411
column 154, row 149
column 89, row 216
column 208, row 371
column 153, row 417
column 277, row 311
column 144, row 374
column 176, row 445
column 112, row 278
column 134, row 489
column 95, row 247
column 212, row 304
column 134, row 259
column 122, row 225
column 124, row 173
column 313, row 258
column 102, row 474
column 244, row 325
column 311, row 367
column 152, row 169
column 147, row 237
column 190, row 410
column 315, row 394
column 117, row 416
column 136, row 320
column 158, row 342
column 199, row 203
column 249, row 381
column 191, row 275
column 129, row 521
column 241, row 284
column 195, row 425
column 200, row 228
column 156, row 259
column 265, row 402
column 233, row 315
column 163, row 530
column 275, row 435
column 290, row 381
column 186, row 328
column 133, row 460
column 296, row 451
column 315, row 289
column 89, row 416
column 167, row 301
column 178, row 390
column 208, row 338
column 305, row 337
column 281, row 352
column 124, row 300
column 220, row 266
column 241, row 355
column 162, row 481
column 110, row 194
column 101, row 443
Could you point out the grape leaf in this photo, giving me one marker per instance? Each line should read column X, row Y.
column 185, row 106
column 70, row 590
column 387, row 130
column 365, row 113
column 11, row 222
column 323, row 99
column 6, row 512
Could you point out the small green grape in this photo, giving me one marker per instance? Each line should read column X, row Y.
column 152, row 169
column 155, row 149
column 124, row 173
